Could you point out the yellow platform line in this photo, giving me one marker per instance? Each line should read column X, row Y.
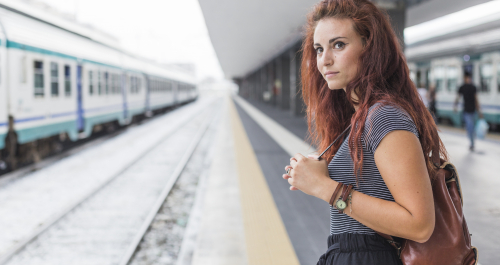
column 267, row 241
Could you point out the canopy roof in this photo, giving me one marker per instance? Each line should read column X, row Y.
column 247, row 34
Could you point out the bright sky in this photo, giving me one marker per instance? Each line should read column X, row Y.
column 168, row 31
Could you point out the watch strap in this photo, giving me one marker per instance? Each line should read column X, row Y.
column 334, row 195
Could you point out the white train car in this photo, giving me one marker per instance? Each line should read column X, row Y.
column 60, row 79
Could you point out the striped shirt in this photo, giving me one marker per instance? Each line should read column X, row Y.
column 381, row 120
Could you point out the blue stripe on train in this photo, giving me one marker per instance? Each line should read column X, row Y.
column 483, row 106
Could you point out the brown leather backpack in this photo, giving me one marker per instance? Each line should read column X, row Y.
column 450, row 243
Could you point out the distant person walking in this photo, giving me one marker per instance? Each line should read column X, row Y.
column 471, row 105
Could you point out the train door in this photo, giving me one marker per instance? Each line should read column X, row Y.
column 79, row 110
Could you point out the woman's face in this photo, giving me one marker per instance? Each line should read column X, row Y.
column 338, row 47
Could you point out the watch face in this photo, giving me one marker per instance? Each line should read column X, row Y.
column 341, row 205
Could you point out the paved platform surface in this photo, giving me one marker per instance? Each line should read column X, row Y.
column 236, row 219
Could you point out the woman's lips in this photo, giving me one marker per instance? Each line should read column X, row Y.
column 330, row 74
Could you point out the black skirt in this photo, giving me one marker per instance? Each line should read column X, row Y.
column 358, row 249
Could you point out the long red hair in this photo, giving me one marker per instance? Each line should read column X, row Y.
column 383, row 75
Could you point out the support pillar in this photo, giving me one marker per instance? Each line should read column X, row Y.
column 262, row 83
column 396, row 9
column 296, row 103
column 278, row 84
column 285, row 81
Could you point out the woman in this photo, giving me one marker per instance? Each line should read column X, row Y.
column 354, row 73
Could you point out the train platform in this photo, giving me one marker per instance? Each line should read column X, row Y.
column 248, row 215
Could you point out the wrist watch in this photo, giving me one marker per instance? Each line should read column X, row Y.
column 341, row 203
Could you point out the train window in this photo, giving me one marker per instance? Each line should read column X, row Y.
column 118, row 83
column 134, row 86
column 139, row 84
column 113, row 83
column 486, row 71
column 452, row 78
column 91, row 83
column 169, row 86
column 54, row 79
column 438, row 75
column 106, row 82
column 130, row 81
column 67, row 80
column 99, row 82
column 38, row 78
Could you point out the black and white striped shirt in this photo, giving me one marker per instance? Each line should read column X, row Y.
column 381, row 120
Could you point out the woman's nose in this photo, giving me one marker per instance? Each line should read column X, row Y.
column 327, row 57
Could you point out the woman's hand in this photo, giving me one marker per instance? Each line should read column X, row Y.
column 307, row 174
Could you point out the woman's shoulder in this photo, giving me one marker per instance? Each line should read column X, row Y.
column 384, row 117
column 383, row 109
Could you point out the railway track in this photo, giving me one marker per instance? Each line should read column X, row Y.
column 99, row 226
column 160, row 239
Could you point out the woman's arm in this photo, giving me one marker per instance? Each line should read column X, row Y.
column 399, row 158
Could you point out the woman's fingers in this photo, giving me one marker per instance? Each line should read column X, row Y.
column 289, row 178
column 285, row 176
column 299, row 156
column 315, row 157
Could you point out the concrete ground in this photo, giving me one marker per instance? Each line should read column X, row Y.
column 305, row 218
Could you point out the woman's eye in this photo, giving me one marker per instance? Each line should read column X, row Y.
column 339, row 45
column 319, row 50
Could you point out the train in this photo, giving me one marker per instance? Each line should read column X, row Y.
column 446, row 51
column 63, row 81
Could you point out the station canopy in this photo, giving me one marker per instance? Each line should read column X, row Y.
column 248, row 34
